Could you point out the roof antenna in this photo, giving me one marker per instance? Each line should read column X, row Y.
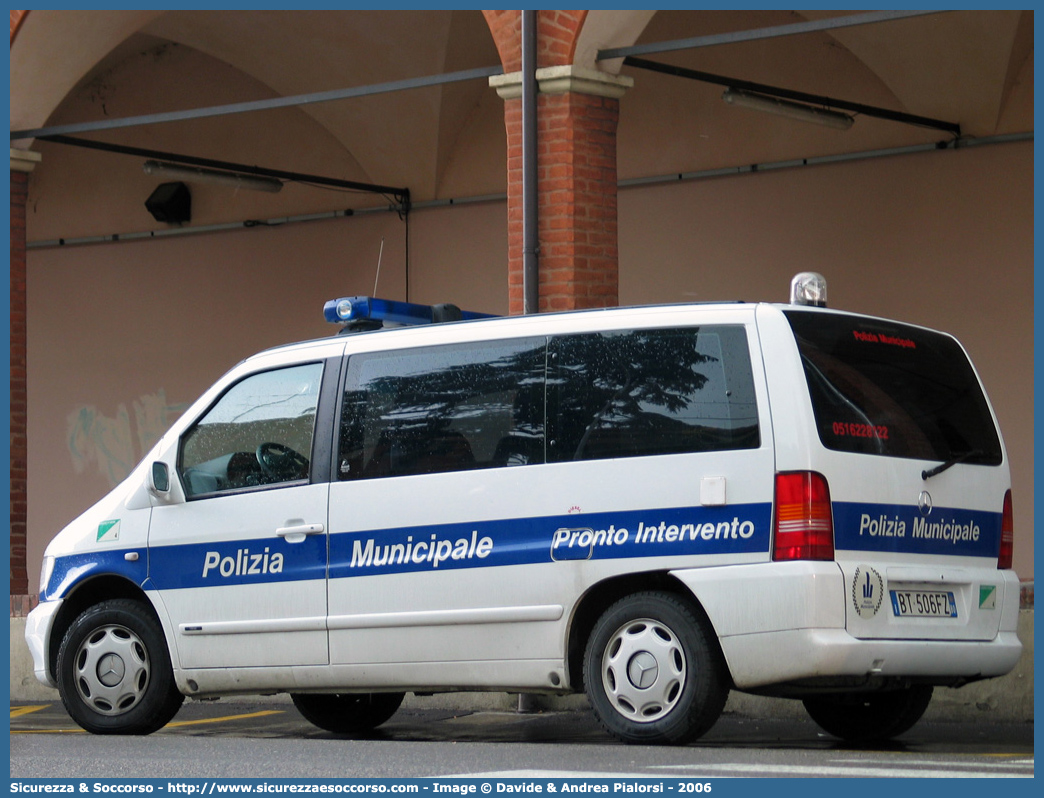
column 378, row 277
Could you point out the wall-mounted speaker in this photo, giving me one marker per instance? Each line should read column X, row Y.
column 170, row 203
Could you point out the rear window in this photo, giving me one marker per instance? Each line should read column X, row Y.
column 883, row 388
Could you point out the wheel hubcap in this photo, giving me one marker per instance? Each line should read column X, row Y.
column 111, row 670
column 643, row 670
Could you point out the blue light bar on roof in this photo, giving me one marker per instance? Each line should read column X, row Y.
column 358, row 308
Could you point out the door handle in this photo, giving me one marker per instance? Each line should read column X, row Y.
column 298, row 532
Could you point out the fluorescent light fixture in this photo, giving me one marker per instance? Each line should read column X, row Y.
column 791, row 110
column 194, row 174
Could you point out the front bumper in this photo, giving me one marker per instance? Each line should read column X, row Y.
column 38, row 636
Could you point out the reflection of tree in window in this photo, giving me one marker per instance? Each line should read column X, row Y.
column 436, row 409
column 649, row 392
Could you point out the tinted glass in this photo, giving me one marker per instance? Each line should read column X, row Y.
column 258, row 433
column 890, row 389
column 446, row 408
column 650, row 392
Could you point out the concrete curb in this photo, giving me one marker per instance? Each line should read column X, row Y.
column 1007, row 699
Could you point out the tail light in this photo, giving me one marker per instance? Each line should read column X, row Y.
column 1007, row 541
column 804, row 528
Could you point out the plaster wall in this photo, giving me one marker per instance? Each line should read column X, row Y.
column 122, row 337
column 943, row 239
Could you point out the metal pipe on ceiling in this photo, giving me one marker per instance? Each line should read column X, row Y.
column 952, row 128
column 635, row 182
column 401, row 195
column 733, row 37
column 261, row 105
column 758, row 34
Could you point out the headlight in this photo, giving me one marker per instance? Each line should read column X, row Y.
column 45, row 574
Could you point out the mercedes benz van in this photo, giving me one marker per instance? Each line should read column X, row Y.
column 651, row 505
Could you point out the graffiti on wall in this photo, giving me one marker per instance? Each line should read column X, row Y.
column 115, row 445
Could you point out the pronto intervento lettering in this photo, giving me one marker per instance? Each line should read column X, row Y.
column 670, row 533
column 654, row 532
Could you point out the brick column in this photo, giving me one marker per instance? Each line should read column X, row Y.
column 577, row 115
column 17, row 18
column 22, row 162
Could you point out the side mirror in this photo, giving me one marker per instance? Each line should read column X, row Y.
column 160, row 477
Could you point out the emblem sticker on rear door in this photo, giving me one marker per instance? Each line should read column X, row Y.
column 987, row 597
column 867, row 591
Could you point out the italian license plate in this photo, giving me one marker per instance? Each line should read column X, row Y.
column 923, row 604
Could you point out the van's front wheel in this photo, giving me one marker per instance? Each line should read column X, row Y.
column 652, row 672
column 866, row 717
column 347, row 713
column 114, row 672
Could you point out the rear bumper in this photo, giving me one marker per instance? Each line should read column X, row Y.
column 779, row 623
column 815, row 653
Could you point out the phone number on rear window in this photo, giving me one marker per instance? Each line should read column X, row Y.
column 843, row 429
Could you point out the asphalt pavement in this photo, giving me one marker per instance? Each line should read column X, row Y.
column 279, row 719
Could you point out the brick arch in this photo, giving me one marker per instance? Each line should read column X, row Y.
column 605, row 29
column 558, row 32
column 17, row 18
column 557, row 35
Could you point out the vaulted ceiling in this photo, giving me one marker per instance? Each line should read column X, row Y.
column 973, row 68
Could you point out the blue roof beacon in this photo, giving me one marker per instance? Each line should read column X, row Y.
column 360, row 313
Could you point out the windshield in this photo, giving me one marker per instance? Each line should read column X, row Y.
column 879, row 387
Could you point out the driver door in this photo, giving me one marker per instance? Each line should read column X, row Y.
column 240, row 564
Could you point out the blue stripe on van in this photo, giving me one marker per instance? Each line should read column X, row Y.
column 902, row 528
column 74, row 568
column 237, row 562
column 682, row 531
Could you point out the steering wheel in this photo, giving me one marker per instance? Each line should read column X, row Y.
column 281, row 463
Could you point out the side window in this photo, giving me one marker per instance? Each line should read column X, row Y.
column 258, row 433
column 650, row 392
column 445, row 408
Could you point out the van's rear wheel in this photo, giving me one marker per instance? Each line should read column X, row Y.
column 866, row 717
column 652, row 671
column 347, row 713
column 114, row 672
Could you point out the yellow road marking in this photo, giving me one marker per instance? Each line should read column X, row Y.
column 221, row 720
column 17, row 712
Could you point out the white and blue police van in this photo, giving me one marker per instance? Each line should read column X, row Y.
column 651, row 505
